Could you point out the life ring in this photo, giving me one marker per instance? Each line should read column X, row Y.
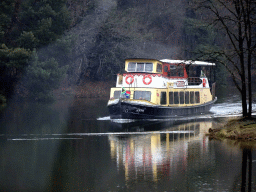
column 204, row 82
column 150, row 79
column 129, row 77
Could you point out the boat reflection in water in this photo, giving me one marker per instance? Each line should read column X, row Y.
column 154, row 155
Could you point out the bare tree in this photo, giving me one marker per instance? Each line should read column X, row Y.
column 235, row 19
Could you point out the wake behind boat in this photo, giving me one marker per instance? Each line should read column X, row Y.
column 153, row 89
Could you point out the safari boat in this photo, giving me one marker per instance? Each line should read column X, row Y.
column 161, row 89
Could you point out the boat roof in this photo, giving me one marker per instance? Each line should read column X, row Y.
column 142, row 59
column 187, row 62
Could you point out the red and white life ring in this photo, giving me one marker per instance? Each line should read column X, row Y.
column 129, row 79
column 204, row 82
column 147, row 82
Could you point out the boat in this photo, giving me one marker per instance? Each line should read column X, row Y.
column 162, row 89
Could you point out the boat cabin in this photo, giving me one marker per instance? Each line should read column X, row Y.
column 165, row 82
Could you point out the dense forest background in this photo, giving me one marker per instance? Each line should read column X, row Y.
column 45, row 44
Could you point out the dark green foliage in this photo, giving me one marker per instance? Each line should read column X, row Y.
column 12, row 64
column 45, row 19
column 14, row 57
column 24, row 26
column 31, row 24
column 42, row 78
column 28, row 40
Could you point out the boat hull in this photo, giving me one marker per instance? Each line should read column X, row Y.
column 123, row 109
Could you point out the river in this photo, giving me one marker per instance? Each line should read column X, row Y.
column 72, row 145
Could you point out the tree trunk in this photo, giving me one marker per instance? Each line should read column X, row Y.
column 248, row 30
column 241, row 57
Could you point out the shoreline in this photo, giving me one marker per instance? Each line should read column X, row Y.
column 86, row 90
column 239, row 129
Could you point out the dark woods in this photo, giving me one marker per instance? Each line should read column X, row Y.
column 49, row 43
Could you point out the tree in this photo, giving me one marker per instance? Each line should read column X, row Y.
column 236, row 20
column 24, row 26
column 42, row 77
column 13, row 61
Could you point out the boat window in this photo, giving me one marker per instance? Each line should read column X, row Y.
column 176, row 98
column 171, row 97
column 176, row 71
column 197, row 97
column 131, row 66
column 165, row 68
column 144, row 95
column 180, row 71
column 159, row 67
column 149, row 67
column 181, row 97
column 117, row 94
column 163, row 98
column 186, row 97
column 140, row 67
column 192, row 97
column 172, row 70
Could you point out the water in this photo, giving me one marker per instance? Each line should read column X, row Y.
column 73, row 145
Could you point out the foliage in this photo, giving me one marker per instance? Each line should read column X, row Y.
column 42, row 78
column 200, row 38
column 24, row 26
column 133, row 29
column 12, row 64
column 235, row 19
column 45, row 20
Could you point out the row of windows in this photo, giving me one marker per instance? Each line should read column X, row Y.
column 182, row 97
column 143, row 67
column 145, row 95
column 187, row 97
column 140, row 67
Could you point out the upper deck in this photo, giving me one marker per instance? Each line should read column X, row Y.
column 143, row 66
column 158, row 73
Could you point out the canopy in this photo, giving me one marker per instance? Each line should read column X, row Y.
column 187, row 62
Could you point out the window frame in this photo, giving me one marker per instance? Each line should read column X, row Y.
column 145, row 97
column 144, row 67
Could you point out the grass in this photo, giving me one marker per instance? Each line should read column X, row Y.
column 236, row 129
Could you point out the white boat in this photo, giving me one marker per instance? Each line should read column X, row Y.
column 161, row 89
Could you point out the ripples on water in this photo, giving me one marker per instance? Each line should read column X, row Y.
column 44, row 150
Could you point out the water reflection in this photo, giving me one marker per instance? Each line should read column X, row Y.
column 157, row 155
column 246, row 172
column 63, row 147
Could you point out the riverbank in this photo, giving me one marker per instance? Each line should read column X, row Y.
column 86, row 90
column 241, row 129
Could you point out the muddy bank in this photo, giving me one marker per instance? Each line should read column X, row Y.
column 240, row 129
